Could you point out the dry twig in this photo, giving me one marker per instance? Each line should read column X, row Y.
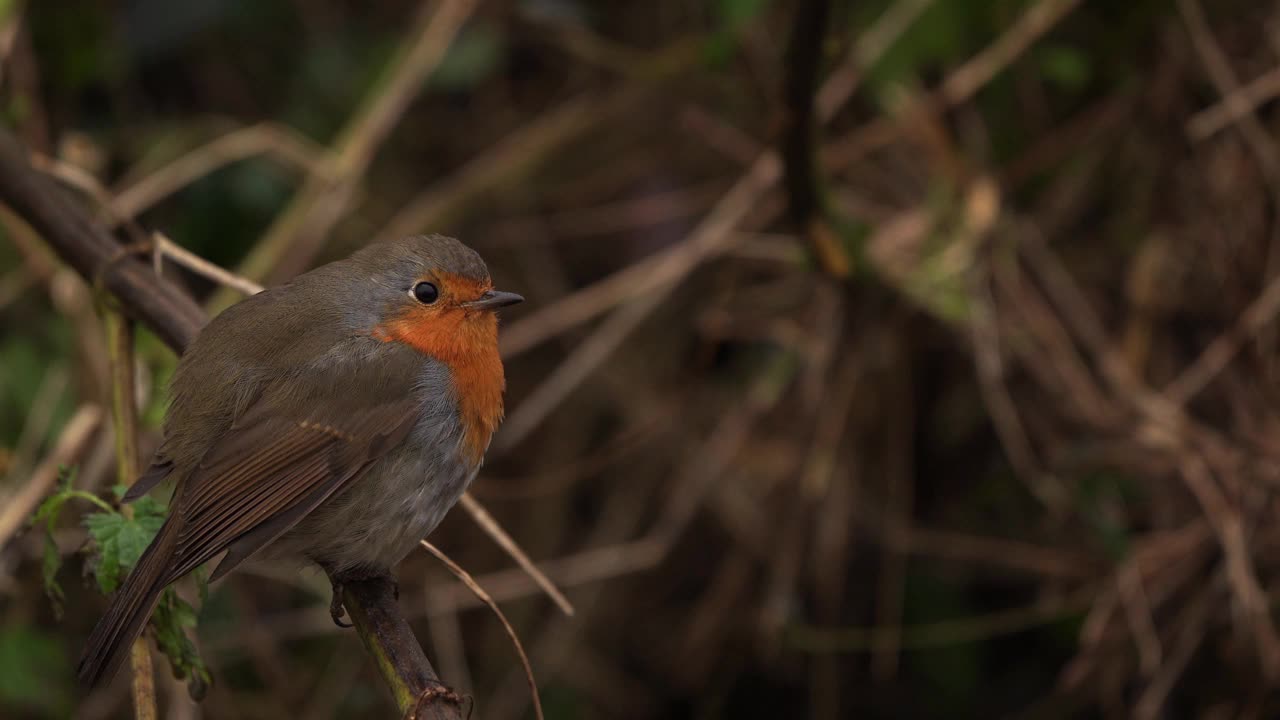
column 261, row 139
column 470, row 582
column 298, row 233
column 71, row 443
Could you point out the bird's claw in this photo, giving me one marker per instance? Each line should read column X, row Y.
column 336, row 609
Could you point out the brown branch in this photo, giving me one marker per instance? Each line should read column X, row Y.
column 169, row 312
column 390, row 641
column 799, row 147
column 93, row 252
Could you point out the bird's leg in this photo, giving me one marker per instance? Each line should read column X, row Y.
column 336, row 608
column 339, row 579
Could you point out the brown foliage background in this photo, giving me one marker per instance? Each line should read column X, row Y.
column 909, row 358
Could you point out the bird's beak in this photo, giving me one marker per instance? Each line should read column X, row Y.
column 494, row 299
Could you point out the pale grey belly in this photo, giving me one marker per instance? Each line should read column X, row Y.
column 377, row 520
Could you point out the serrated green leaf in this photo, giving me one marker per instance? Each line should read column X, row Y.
column 47, row 514
column 104, row 530
column 172, row 615
column 121, row 541
column 132, row 541
column 149, row 509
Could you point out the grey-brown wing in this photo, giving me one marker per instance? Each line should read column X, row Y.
column 269, row 472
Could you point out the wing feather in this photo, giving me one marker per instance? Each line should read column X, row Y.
column 269, row 472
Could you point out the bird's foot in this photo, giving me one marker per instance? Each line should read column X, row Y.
column 336, row 608
column 435, row 692
column 340, row 579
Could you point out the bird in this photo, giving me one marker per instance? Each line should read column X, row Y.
column 332, row 421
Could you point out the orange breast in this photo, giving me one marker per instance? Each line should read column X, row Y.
column 468, row 345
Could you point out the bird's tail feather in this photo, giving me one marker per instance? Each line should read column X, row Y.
column 127, row 615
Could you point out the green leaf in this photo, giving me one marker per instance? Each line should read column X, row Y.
column 120, row 542
column 150, row 511
column 104, row 530
column 172, row 617
column 48, row 513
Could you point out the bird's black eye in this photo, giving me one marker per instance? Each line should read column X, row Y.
column 425, row 293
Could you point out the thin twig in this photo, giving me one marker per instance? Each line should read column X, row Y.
column 503, row 163
column 1192, row 626
column 989, row 360
column 672, row 265
column 165, row 247
column 975, row 74
column 44, row 403
column 581, row 568
column 1219, row 353
column 298, row 233
column 657, row 273
column 1224, row 80
column 960, row 84
column 261, row 139
column 470, row 582
column 871, row 46
column 1238, row 103
column 71, row 443
column 1142, row 626
column 500, row 536
column 813, row 639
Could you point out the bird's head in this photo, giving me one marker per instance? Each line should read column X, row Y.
column 434, row 294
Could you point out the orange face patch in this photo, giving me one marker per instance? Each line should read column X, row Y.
column 466, row 341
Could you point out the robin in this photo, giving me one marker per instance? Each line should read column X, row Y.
column 334, row 419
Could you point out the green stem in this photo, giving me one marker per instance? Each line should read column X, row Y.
column 124, row 414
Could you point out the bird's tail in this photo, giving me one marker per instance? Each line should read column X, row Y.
column 129, row 611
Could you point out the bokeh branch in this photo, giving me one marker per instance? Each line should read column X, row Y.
column 806, row 196
column 300, row 230
column 175, row 317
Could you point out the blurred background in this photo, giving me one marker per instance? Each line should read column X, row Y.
column 889, row 358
